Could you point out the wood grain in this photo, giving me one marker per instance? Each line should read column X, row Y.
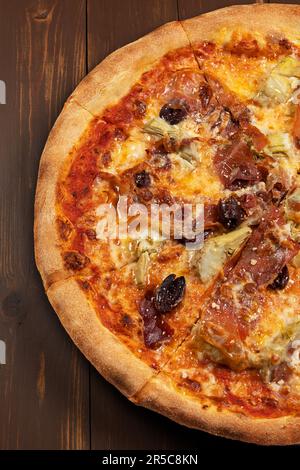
column 190, row 8
column 114, row 23
column 44, row 385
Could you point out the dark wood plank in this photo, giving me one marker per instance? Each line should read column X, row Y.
column 297, row 2
column 114, row 23
column 190, row 8
column 44, row 387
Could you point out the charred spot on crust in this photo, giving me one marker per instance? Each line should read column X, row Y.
column 64, row 228
column 106, row 159
column 281, row 281
column 84, row 285
column 127, row 321
column 119, row 134
column 91, row 234
column 170, row 293
column 139, row 109
column 75, row 261
column 192, row 384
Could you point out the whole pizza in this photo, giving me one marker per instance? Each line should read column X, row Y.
column 202, row 325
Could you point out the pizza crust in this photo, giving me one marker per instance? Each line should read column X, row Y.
column 277, row 19
column 160, row 395
column 67, row 131
column 113, row 78
column 109, row 356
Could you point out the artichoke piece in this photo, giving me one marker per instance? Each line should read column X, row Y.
column 182, row 162
column 292, row 210
column 296, row 261
column 294, row 198
column 281, row 82
column 160, row 128
column 295, row 232
column 188, row 156
column 217, row 250
column 149, row 245
column 191, row 152
column 277, row 346
column 289, row 67
column 122, row 252
column 277, row 87
column 145, row 248
column 279, row 144
column 141, row 269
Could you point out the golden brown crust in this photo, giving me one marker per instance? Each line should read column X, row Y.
column 66, row 132
column 160, row 395
column 107, row 83
column 262, row 18
column 103, row 349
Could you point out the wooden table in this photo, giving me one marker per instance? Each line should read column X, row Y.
column 50, row 397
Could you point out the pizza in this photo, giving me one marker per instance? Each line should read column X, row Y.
column 203, row 112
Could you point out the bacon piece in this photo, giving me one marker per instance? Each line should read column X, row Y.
column 236, row 166
column 296, row 127
column 233, row 307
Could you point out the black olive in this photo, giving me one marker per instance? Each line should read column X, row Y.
column 142, row 179
column 230, row 213
column 281, row 281
column 170, row 293
column 173, row 114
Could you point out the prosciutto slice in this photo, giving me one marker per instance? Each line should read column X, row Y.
column 233, row 307
column 240, row 114
column 236, row 166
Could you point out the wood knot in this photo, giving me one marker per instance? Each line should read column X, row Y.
column 12, row 305
column 41, row 16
